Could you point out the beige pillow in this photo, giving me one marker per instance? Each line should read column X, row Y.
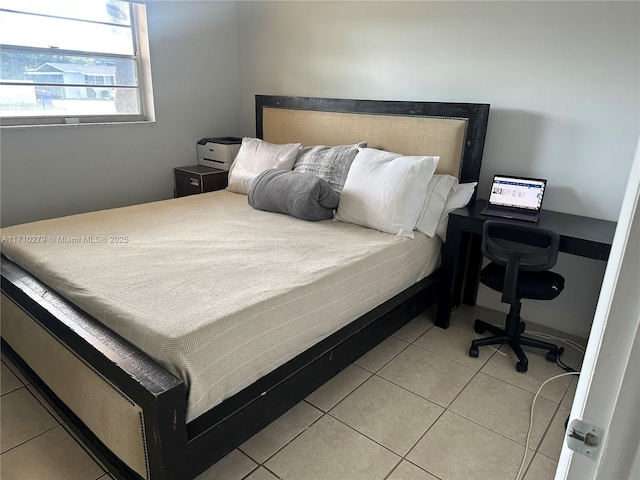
column 254, row 157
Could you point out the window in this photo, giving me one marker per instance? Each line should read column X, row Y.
column 73, row 61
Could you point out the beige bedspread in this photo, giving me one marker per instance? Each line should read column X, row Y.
column 217, row 292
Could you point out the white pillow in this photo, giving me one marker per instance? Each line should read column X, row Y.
column 458, row 198
column 438, row 190
column 385, row 190
column 254, row 157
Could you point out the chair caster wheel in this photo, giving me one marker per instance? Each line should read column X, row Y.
column 522, row 367
column 474, row 352
column 478, row 328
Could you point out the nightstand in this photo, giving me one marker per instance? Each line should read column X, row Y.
column 198, row 179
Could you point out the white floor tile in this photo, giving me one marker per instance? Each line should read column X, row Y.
column 8, row 381
column 277, row 434
column 379, row 356
column 235, row 466
column 540, row 370
column 472, row 451
column 554, row 438
column 328, row 395
column 372, row 409
column 429, row 375
column 408, row 471
column 454, row 343
column 329, row 450
column 541, row 468
column 416, row 327
column 22, row 418
column 52, row 455
column 504, row 408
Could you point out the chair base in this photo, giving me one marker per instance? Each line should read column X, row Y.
column 511, row 335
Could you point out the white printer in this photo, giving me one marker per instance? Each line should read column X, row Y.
column 218, row 152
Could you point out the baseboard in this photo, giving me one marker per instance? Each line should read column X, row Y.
column 539, row 313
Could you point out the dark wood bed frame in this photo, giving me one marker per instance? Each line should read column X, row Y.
column 174, row 448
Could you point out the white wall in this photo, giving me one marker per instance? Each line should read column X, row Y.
column 561, row 77
column 54, row 171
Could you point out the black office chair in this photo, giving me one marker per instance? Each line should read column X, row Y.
column 521, row 256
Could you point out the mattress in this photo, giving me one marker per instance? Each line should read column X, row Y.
column 218, row 293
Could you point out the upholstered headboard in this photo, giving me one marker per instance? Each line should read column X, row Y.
column 454, row 131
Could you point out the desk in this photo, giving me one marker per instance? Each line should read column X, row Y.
column 462, row 255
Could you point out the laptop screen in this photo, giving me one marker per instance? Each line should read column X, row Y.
column 517, row 192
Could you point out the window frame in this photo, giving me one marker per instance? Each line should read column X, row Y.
column 142, row 61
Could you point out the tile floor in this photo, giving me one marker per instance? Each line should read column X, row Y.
column 417, row 407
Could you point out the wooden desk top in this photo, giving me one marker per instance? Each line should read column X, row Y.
column 571, row 228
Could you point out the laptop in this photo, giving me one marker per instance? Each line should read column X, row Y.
column 518, row 198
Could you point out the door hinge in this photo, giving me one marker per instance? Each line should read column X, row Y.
column 584, row 438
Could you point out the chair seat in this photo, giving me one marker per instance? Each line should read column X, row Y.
column 544, row 285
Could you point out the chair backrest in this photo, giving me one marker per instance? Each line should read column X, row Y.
column 518, row 247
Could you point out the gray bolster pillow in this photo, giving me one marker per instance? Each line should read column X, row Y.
column 301, row 195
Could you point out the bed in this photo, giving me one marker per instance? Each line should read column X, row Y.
column 71, row 331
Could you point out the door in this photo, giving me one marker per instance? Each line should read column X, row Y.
column 608, row 392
